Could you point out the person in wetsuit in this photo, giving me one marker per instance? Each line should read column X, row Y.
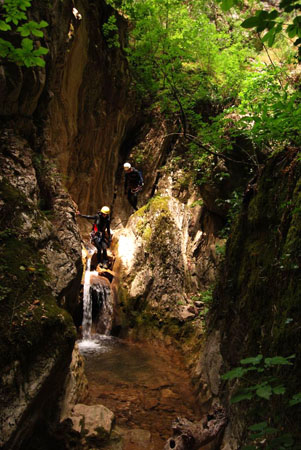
column 101, row 234
column 132, row 184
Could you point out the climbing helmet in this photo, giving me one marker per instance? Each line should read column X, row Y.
column 105, row 210
column 126, row 166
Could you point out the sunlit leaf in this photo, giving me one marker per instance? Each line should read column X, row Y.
column 27, row 44
column 4, row 26
column 251, row 22
column 227, row 4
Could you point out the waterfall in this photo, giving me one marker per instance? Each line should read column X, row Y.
column 97, row 302
column 87, row 303
column 104, row 299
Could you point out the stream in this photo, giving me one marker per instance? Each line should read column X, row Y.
column 146, row 386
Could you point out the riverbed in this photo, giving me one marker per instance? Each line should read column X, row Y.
column 146, row 386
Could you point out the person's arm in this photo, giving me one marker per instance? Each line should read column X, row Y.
column 140, row 178
column 108, row 224
column 86, row 216
column 109, row 229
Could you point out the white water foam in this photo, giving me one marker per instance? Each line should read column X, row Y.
column 87, row 303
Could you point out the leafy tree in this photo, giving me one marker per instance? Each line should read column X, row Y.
column 284, row 18
column 186, row 55
column 16, row 27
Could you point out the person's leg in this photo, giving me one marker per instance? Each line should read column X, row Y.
column 104, row 253
column 129, row 197
column 97, row 243
column 133, row 199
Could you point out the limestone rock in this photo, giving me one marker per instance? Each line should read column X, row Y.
column 76, row 385
column 136, row 438
column 187, row 313
column 20, row 392
column 153, row 252
column 209, row 364
column 93, row 422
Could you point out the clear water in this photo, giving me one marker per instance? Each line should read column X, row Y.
column 146, row 386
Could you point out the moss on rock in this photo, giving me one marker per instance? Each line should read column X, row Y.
column 257, row 302
column 29, row 315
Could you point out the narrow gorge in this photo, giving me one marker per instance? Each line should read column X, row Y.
column 190, row 337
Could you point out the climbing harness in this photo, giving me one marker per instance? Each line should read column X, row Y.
column 136, row 190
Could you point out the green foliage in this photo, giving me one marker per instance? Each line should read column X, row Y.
column 178, row 55
column 261, row 379
column 270, row 115
column 273, row 22
column 205, row 296
column 200, row 68
column 234, row 206
column 110, row 31
column 220, row 249
column 16, row 23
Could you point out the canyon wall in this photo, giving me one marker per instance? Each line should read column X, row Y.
column 61, row 131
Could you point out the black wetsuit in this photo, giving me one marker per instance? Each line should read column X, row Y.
column 132, row 185
column 101, row 235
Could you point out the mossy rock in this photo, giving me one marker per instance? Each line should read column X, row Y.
column 29, row 315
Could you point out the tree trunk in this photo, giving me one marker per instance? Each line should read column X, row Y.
column 193, row 436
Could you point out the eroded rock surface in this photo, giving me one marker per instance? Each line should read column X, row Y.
column 42, row 265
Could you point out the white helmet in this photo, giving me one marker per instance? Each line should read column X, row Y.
column 105, row 210
column 127, row 166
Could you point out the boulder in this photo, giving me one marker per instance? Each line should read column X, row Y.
column 92, row 422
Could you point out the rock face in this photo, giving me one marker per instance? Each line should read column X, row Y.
column 25, row 394
column 93, row 423
column 42, row 266
column 91, row 108
column 76, row 385
column 80, row 109
column 167, row 251
column 158, row 271
column 61, row 126
column 256, row 304
column 40, row 193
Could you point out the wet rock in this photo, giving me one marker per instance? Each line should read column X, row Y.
column 20, row 392
column 208, row 367
column 134, row 439
column 186, row 313
column 168, row 394
column 93, row 422
column 199, row 304
column 192, row 309
column 76, row 385
column 150, row 403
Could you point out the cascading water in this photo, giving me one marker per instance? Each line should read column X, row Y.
column 150, row 382
column 102, row 294
column 96, row 291
column 87, row 303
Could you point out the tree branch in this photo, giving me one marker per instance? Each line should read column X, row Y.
column 208, row 150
